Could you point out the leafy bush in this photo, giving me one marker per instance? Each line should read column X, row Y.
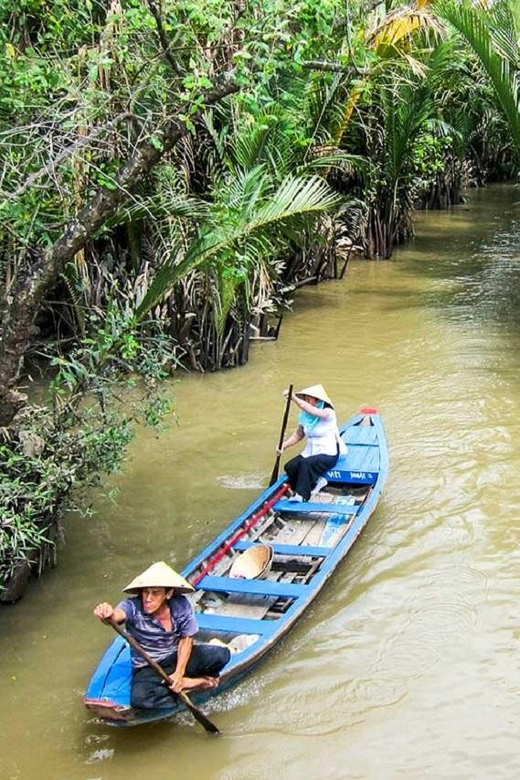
column 101, row 390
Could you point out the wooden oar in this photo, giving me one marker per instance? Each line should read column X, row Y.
column 274, row 475
column 195, row 711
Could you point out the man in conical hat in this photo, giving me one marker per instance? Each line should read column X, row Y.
column 162, row 620
column 317, row 423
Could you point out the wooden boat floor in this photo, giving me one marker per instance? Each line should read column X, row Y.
column 254, row 606
column 298, row 531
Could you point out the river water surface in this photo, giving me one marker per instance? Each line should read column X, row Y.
column 407, row 665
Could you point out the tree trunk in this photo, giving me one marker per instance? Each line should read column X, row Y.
column 23, row 302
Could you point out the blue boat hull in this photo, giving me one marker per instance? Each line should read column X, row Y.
column 308, row 540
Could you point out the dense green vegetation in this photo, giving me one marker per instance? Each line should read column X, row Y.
column 172, row 170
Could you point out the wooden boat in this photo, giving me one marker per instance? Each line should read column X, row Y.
column 308, row 541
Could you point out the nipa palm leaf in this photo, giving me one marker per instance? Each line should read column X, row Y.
column 296, row 197
column 474, row 25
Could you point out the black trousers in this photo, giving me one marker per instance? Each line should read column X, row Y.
column 303, row 473
column 148, row 690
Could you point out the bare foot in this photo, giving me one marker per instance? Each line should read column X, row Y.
column 199, row 683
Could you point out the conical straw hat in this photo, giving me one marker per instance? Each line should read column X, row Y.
column 253, row 564
column 159, row 575
column 317, row 391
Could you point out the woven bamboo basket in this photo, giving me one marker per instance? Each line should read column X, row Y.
column 253, row 564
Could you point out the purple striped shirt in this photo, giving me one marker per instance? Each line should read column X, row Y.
column 150, row 632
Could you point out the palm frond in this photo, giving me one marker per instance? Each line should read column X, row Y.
column 515, row 18
column 398, row 27
column 296, row 198
column 248, row 147
column 504, row 17
column 323, row 106
column 244, row 189
column 169, row 206
column 474, row 25
column 342, row 161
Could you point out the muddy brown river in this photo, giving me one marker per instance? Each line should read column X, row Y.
column 407, row 664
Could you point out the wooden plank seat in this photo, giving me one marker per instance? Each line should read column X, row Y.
column 307, row 506
column 232, row 625
column 287, row 549
column 360, row 465
column 252, row 587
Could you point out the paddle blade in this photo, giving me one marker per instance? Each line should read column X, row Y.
column 198, row 714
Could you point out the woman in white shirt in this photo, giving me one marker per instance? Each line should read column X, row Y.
column 317, row 423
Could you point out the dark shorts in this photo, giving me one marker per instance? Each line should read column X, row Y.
column 148, row 690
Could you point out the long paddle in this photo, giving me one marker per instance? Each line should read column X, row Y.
column 274, row 475
column 195, row 711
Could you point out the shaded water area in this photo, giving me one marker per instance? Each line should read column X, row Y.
column 406, row 666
